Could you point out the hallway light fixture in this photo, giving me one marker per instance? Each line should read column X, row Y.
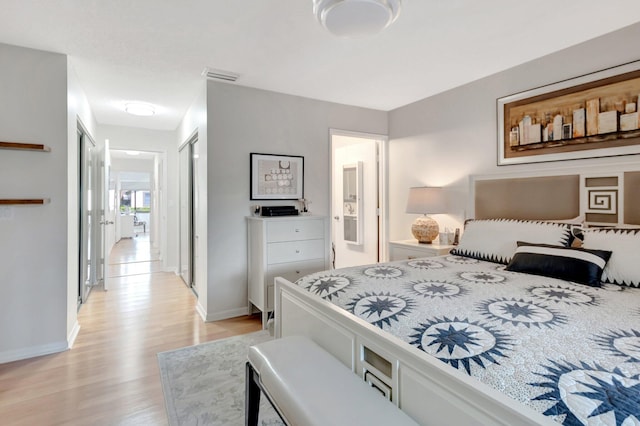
column 142, row 109
column 356, row 18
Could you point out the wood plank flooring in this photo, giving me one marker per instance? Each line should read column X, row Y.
column 111, row 376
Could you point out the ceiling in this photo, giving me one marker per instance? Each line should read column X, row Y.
column 154, row 51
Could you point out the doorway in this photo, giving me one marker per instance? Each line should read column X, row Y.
column 358, row 198
column 136, row 202
column 90, row 228
column 188, row 158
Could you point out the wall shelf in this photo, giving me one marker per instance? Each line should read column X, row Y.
column 23, row 201
column 24, row 146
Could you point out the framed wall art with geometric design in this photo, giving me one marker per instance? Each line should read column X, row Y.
column 277, row 177
column 594, row 115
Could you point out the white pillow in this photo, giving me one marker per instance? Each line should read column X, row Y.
column 623, row 267
column 495, row 240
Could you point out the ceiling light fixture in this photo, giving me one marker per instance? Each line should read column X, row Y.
column 134, row 153
column 140, row 108
column 356, row 18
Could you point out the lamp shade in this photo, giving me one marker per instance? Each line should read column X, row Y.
column 427, row 200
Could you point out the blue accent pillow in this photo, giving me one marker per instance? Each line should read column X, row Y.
column 578, row 265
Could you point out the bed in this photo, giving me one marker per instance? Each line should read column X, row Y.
column 469, row 338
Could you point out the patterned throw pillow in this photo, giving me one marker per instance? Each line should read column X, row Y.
column 578, row 265
column 494, row 240
column 624, row 266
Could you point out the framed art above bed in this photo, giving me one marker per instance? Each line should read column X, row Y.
column 594, row 115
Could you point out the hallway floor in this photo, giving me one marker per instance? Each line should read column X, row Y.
column 111, row 376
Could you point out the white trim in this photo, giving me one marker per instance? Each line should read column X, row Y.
column 33, row 351
column 222, row 315
column 201, row 311
column 71, row 338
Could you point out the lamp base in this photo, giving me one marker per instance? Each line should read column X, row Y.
column 425, row 229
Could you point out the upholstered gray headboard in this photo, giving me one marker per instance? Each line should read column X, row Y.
column 608, row 195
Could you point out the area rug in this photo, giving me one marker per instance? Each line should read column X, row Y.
column 205, row 384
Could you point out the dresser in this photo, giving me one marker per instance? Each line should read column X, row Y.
column 288, row 247
column 412, row 249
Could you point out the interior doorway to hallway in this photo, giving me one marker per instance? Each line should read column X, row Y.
column 137, row 198
column 358, row 198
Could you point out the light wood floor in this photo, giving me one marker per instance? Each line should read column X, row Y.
column 111, row 376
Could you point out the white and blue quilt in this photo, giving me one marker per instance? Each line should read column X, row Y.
column 567, row 350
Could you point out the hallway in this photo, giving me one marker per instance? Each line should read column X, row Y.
column 111, row 376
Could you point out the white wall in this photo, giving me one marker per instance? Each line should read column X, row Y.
column 33, row 240
column 242, row 120
column 138, row 139
column 441, row 140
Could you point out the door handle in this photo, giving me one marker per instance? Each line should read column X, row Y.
column 337, row 218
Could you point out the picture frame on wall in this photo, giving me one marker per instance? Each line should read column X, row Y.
column 277, row 177
column 594, row 115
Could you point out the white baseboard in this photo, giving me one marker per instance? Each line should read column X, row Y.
column 230, row 313
column 200, row 310
column 170, row 269
column 71, row 338
column 33, row 351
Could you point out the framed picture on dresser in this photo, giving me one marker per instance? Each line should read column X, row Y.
column 277, row 177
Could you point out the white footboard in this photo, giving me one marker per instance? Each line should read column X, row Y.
column 425, row 388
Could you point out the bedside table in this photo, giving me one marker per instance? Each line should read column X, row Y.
column 411, row 249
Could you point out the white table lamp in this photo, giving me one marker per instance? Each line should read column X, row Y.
column 426, row 200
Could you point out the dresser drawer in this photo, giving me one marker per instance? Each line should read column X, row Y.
column 402, row 253
column 295, row 230
column 294, row 270
column 295, row 251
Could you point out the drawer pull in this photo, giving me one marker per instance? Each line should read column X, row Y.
column 297, row 230
column 297, row 251
column 298, row 272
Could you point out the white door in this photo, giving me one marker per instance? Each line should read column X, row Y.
column 355, row 223
column 106, row 212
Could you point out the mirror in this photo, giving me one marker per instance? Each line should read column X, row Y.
column 351, row 195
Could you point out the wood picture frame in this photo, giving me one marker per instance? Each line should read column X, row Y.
column 277, row 177
column 594, row 115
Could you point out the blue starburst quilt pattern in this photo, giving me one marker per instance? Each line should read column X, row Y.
column 566, row 350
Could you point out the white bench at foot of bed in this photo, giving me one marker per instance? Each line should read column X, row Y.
column 429, row 391
column 308, row 386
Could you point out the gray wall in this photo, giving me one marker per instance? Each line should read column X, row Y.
column 243, row 120
column 33, row 240
column 441, row 140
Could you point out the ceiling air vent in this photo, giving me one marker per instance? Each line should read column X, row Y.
column 213, row 74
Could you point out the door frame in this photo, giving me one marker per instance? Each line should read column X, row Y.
column 86, row 230
column 383, row 186
column 191, row 183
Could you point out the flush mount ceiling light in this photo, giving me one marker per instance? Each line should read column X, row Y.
column 140, row 108
column 356, row 18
